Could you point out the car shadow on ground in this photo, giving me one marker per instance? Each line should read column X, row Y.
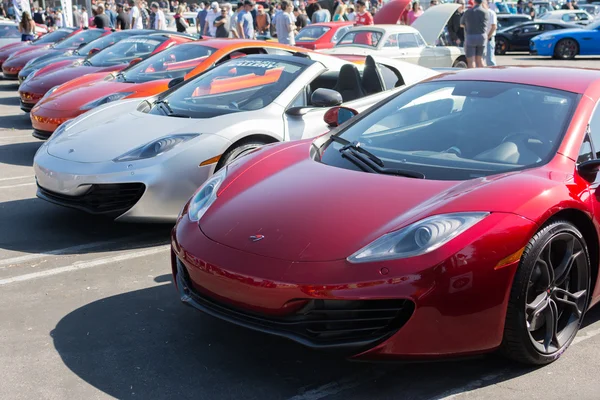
column 146, row 344
column 41, row 227
column 9, row 86
column 9, row 101
column 18, row 153
column 18, row 121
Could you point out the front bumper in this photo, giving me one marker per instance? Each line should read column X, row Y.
column 29, row 100
column 453, row 308
column 541, row 48
column 11, row 73
column 169, row 181
column 46, row 120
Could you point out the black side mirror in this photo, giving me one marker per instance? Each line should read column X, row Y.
column 326, row 98
column 175, row 82
column 81, row 45
column 589, row 169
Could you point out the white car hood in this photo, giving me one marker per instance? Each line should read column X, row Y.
column 105, row 134
column 432, row 22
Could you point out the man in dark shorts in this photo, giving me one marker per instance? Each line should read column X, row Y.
column 475, row 21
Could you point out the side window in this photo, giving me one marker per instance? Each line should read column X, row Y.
column 279, row 52
column 340, row 32
column 420, row 41
column 568, row 17
column 582, row 16
column 407, row 41
column 531, row 28
column 548, row 27
column 241, row 53
column 594, row 130
column 585, row 152
column 300, row 100
column 391, row 41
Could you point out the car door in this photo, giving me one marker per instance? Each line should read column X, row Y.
column 589, row 150
column 412, row 48
column 589, row 42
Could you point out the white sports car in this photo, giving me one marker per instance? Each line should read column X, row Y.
column 141, row 159
column 415, row 44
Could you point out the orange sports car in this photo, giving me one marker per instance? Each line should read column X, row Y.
column 148, row 78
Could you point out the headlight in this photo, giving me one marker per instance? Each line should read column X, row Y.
column 205, row 196
column 48, row 93
column 105, row 100
column 547, row 38
column 419, row 238
column 61, row 129
column 68, row 53
column 156, row 147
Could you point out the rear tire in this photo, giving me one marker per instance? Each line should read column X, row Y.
column 501, row 46
column 238, row 151
column 461, row 62
column 549, row 295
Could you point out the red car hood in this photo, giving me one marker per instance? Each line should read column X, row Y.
column 21, row 58
column 41, row 83
column 9, row 49
column 275, row 193
column 75, row 97
column 390, row 13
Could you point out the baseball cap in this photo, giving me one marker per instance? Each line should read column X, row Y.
column 214, row 4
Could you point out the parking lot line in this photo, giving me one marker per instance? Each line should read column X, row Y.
column 84, row 265
column 14, row 178
column 68, row 250
column 18, row 185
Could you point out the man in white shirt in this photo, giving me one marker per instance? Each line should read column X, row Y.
column 286, row 24
column 136, row 16
column 85, row 19
column 490, row 53
column 160, row 22
column 210, row 29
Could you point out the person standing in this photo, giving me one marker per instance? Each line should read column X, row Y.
column 301, row 19
column 85, row 18
column 76, row 17
column 340, row 13
column 363, row 17
column 490, row 53
column 320, row 15
column 180, row 22
column 245, row 24
column 122, row 22
column 223, row 24
column 201, row 17
column 456, row 32
column 285, row 25
column 160, row 23
column 112, row 16
column 101, row 19
column 263, row 22
column 530, row 10
column 135, row 15
column 27, row 27
column 414, row 13
column 475, row 21
column 210, row 29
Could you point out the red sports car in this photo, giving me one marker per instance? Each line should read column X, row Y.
column 44, row 41
column 13, row 64
column 127, row 52
column 148, row 78
column 322, row 35
column 429, row 226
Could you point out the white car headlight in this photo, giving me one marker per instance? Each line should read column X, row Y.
column 48, row 93
column 419, row 238
column 156, row 147
column 206, row 195
column 105, row 100
column 60, row 130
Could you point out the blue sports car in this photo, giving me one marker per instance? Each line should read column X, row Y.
column 568, row 43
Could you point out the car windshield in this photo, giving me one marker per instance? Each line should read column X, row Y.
column 360, row 37
column 311, row 33
column 125, row 51
column 53, row 37
column 235, row 86
column 459, row 130
column 102, row 42
column 81, row 37
column 9, row 31
column 172, row 63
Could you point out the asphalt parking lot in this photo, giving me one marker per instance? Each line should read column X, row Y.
column 88, row 311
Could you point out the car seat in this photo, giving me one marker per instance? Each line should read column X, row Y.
column 349, row 83
column 372, row 80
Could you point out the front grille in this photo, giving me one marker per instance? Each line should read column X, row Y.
column 318, row 323
column 108, row 199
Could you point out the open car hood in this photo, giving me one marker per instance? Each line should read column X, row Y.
column 432, row 22
column 391, row 12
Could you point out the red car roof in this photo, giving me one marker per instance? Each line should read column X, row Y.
column 576, row 80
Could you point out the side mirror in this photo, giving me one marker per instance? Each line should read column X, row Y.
column 326, row 98
column 81, row 45
column 175, row 82
column 94, row 51
column 589, row 169
column 134, row 61
column 338, row 115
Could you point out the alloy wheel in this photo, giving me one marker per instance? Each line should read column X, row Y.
column 557, row 293
column 567, row 49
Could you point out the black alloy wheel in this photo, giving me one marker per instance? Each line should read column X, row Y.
column 549, row 296
column 566, row 49
column 501, row 46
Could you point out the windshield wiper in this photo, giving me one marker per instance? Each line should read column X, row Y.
column 169, row 111
column 87, row 63
column 369, row 162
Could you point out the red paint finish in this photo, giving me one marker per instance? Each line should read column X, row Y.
column 313, row 217
column 391, row 12
column 325, row 41
column 67, row 101
column 56, row 74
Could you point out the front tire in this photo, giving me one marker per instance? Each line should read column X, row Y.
column 460, row 62
column 549, row 295
column 566, row 49
column 501, row 46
